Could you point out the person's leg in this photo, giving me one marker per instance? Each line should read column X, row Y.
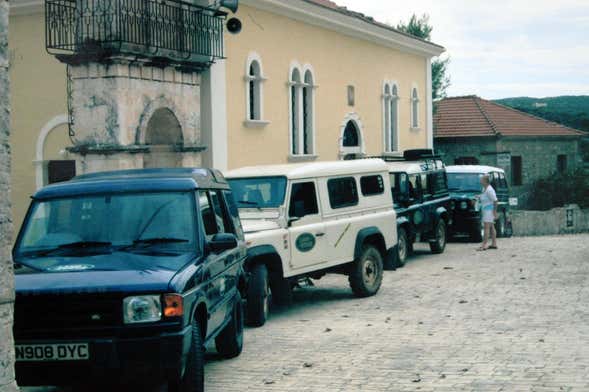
column 493, row 235
column 485, row 236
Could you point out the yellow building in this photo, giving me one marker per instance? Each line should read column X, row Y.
column 303, row 80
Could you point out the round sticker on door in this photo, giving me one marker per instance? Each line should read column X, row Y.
column 305, row 242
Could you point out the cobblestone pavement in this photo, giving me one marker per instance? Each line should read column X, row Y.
column 515, row 319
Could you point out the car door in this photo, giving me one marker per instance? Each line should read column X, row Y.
column 214, row 264
column 306, row 228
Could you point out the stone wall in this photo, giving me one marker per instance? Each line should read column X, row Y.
column 565, row 220
column 6, row 272
column 539, row 156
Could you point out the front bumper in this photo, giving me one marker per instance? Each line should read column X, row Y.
column 466, row 221
column 156, row 357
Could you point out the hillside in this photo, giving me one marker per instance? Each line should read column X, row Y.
column 572, row 111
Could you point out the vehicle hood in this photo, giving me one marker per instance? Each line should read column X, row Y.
column 114, row 272
column 256, row 225
column 469, row 195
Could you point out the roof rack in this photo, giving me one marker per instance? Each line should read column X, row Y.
column 431, row 160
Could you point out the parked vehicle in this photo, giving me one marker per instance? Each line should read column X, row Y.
column 305, row 220
column 464, row 185
column 421, row 200
column 128, row 275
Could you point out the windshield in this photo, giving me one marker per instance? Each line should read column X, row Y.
column 96, row 224
column 261, row 192
column 464, row 182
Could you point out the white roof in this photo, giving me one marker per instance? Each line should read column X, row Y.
column 477, row 169
column 405, row 167
column 311, row 170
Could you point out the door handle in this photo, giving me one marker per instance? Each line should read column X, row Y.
column 319, row 234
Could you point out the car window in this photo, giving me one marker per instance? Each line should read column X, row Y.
column 399, row 186
column 343, row 192
column 223, row 221
column 414, row 187
column 502, row 180
column 303, row 200
column 426, row 186
column 372, row 185
column 438, row 183
column 208, row 214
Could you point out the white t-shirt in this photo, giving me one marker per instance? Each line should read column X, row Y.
column 488, row 198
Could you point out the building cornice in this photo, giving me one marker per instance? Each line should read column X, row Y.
column 349, row 25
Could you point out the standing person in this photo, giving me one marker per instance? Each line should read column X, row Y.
column 489, row 203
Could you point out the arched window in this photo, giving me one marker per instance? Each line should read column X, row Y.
column 391, row 117
column 351, row 135
column 254, row 90
column 414, row 108
column 295, row 118
column 308, row 113
column 302, row 113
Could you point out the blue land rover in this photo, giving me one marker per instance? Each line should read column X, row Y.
column 127, row 276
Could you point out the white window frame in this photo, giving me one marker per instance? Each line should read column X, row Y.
column 258, row 121
column 390, row 123
column 415, row 101
column 300, row 84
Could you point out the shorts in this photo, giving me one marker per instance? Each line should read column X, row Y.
column 488, row 216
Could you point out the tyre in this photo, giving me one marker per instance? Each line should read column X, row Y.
column 229, row 342
column 281, row 290
column 403, row 248
column 258, row 296
column 501, row 225
column 439, row 243
column 366, row 275
column 193, row 378
column 477, row 232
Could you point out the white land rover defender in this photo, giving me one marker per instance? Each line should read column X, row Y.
column 305, row 220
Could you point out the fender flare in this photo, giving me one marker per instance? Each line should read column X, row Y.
column 442, row 213
column 365, row 233
column 261, row 251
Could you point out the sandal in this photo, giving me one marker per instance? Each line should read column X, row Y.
column 481, row 249
column 492, row 247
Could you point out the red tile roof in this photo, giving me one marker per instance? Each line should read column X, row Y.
column 472, row 116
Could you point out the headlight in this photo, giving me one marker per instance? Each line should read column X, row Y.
column 463, row 205
column 142, row 309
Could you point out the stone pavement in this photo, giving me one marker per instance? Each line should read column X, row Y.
column 516, row 319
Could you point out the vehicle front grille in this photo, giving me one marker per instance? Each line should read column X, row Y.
column 66, row 311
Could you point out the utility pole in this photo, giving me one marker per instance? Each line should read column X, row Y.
column 7, row 382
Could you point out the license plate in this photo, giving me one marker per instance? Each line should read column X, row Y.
column 52, row 352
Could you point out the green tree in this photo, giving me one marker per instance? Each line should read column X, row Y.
column 420, row 27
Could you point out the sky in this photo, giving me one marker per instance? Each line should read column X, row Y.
column 502, row 48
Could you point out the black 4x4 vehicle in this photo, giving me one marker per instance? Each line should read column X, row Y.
column 127, row 275
column 421, row 200
column 464, row 184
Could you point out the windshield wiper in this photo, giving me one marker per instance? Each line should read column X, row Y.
column 73, row 246
column 159, row 240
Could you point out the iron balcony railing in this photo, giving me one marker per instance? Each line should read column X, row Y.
column 163, row 29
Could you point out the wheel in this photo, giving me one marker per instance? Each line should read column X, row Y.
column 501, row 225
column 258, row 296
column 281, row 290
column 229, row 342
column 366, row 275
column 439, row 244
column 478, row 232
column 193, row 379
column 403, row 248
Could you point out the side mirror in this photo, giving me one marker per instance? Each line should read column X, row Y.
column 293, row 220
column 223, row 242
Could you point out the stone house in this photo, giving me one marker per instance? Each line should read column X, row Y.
column 471, row 130
column 304, row 80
